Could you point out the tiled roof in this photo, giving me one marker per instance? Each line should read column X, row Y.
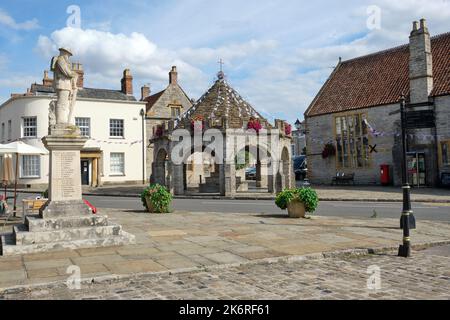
column 151, row 100
column 379, row 78
column 88, row 93
column 221, row 100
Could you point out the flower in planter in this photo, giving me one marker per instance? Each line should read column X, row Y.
column 254, row 124
column 307, row 196
column 198, row 118
column 287, row 129
column 156, row 198
column 328, row 150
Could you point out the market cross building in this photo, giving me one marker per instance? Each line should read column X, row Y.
column 259, row 163
column 353, row 124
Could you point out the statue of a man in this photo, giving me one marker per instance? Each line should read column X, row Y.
column 65, row 85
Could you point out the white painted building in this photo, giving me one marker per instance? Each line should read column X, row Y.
column 111, row 119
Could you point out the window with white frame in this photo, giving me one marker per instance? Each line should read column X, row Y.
column 31, row 166
column 29, row 127
column 116, row 128
column 9, row 130
column 85, row 126
column 117, row 163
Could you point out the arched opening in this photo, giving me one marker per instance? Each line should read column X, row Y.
column 252, row 169
column 201, row 173
column 160, row 167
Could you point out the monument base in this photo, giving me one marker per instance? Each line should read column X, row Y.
column 65, row 222
column 63, row 233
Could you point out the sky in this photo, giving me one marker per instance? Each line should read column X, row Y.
column 277, row 53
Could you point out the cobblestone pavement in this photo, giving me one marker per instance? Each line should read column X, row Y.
column 424, row 276
column 183, row 240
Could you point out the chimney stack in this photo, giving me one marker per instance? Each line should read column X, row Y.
column 78, row 68
column 46, row 81
column 420, row 63
column 127, row 82
column 173, row 76
column 145, row 92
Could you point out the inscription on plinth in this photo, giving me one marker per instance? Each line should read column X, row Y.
column 65, row 179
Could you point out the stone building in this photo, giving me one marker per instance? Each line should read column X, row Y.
column 221, row 118
column 163, row 106
column 356, row 113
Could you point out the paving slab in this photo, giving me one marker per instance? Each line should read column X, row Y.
column 183, row 240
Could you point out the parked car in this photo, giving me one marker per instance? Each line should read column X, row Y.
column 300, row 167
column 250, row 173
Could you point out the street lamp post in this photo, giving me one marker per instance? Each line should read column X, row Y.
column 407, row 220
column 142, row 113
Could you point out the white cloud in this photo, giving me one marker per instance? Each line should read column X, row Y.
column 277, row 56
column 10, row 22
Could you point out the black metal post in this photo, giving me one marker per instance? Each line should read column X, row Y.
column 407, row 220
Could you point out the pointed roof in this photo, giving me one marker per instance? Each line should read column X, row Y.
column 221, row 100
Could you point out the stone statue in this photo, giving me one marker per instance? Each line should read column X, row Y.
column 65, row 85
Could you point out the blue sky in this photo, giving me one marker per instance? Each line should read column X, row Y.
column 277, row 53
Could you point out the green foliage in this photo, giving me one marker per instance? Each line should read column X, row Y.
column 159, row 196
column 306, row 195
column 239, row 159
column 45, row 194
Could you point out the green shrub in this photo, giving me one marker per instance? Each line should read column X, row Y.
column 306, row 195
column 159, row 196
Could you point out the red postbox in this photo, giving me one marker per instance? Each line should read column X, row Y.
column 384, row 174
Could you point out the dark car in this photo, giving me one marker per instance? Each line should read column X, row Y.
column 300, row 167
column 250, row 173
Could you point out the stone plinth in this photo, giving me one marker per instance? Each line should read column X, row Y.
column 65, row 222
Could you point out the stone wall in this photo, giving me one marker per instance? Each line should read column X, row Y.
column 320, row 130
column 160, row 112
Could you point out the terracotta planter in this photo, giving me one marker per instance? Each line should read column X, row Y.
column 296, row 209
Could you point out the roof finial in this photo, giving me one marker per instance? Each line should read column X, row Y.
column 220, row 74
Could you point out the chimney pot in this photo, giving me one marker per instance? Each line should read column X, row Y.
column 145, row 92
column 46, row 81
column 78, row 68
column 423, row 23
column 127, row 82
column 415, row 26
column 173, row 76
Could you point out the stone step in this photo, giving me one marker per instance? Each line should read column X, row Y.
column 36, row 223
column 24, row 237
column 9, row 248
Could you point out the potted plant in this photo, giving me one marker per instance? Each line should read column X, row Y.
column 156, row 199
column 297, row 201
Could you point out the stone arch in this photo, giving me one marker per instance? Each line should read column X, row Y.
column 201, row 172
column 160, row 167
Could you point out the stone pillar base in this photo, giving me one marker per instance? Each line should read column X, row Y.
column 65, row 222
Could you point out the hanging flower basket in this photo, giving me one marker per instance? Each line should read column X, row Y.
column 254, row 124
column 198, row 118
column 287, row 129
column 329, row 150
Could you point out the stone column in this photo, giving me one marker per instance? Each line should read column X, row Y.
column 177, row 178
column 230, row 179
column 64, row 180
